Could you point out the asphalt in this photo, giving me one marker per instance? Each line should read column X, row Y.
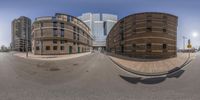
column 91, row 77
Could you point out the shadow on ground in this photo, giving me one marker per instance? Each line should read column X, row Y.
column 152, row 80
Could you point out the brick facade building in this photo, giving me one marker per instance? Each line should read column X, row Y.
column 144, row 35
column 61, row 34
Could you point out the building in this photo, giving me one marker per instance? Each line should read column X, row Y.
column 100, row 25
column 60, row 34
column 144, row 35
column 21, row 31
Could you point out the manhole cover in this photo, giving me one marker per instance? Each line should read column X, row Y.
column 54, row 69
column 75, row 64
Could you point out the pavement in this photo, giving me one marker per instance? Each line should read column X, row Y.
column 153, row 67
column 49, row 57
column 91, row 77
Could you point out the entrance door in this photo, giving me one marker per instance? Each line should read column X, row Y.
column 70, row 49
column 78, row 49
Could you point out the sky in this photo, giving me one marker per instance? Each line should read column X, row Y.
column 187, row 11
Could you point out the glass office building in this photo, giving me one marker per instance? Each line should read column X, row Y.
column 100, row 25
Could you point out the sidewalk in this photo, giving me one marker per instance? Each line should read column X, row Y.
column 159, row 67
column 50, row 57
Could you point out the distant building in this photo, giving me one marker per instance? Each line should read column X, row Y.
column 144, row 35
column 60, row 34
column 21, row 29
column 100, row 25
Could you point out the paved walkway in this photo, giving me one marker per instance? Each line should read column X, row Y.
column 158, row 67
column 50, row 57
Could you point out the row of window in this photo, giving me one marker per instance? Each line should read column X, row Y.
column 49, row 48
column 56, row 48
column 61, row 42
column 149, row 46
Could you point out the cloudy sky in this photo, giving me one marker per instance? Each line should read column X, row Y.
column 188, row 12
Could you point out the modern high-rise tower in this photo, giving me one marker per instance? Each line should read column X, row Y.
column 100, row 25
column 21, row 31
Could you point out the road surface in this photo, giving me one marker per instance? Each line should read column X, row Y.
column 91, row 77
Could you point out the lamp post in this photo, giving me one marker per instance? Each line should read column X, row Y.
column 184, row 42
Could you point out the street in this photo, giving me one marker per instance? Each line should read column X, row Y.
column 91, row 77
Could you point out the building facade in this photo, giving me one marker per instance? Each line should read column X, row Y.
column 60, row 34
column 21, row 31
column 144, row 35
column 100, row 25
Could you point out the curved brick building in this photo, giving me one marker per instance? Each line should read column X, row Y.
column 144, row 35
column 61, row 34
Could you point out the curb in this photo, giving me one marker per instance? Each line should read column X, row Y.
column 174, row 70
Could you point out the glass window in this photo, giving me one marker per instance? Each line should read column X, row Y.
column 62, row 33
column 149, row 21
column 164, row 46
column 55, row 47
column 62, row 25
column 148, row 46
column 54, row 24
column 47, row 47
column 61, row 47
column 62, row 42
column 68, row 18
column 55, row 41
column 164, row 30
column 78, row 36
column 37, row 48
column 55, row 32
column 149, row 29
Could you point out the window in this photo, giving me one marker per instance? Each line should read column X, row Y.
column 72, row 18
column 83, row 33
column 62, row 42
column 41, row 32
column 61, row 47
column 55, row 47
column 78, row 36
column 148, row 46
column 149, row 21
column 37, row 48
column 74, row 28
column 133, row 47
column 149, row 16
column 164, row 46
column 41, row 24
column 68, row 18
column 149, row 29
column 55, row 32
column 62, row 33
column 164, row 30
column 54, row 24
column 47, row 47
column 122, row 48
column 78, row 30
column 55, row 41
column 62, row 25
column 134, row 30
column 164, row 17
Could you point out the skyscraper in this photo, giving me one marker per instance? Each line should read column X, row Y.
column 100, row 25
column 21, row 30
